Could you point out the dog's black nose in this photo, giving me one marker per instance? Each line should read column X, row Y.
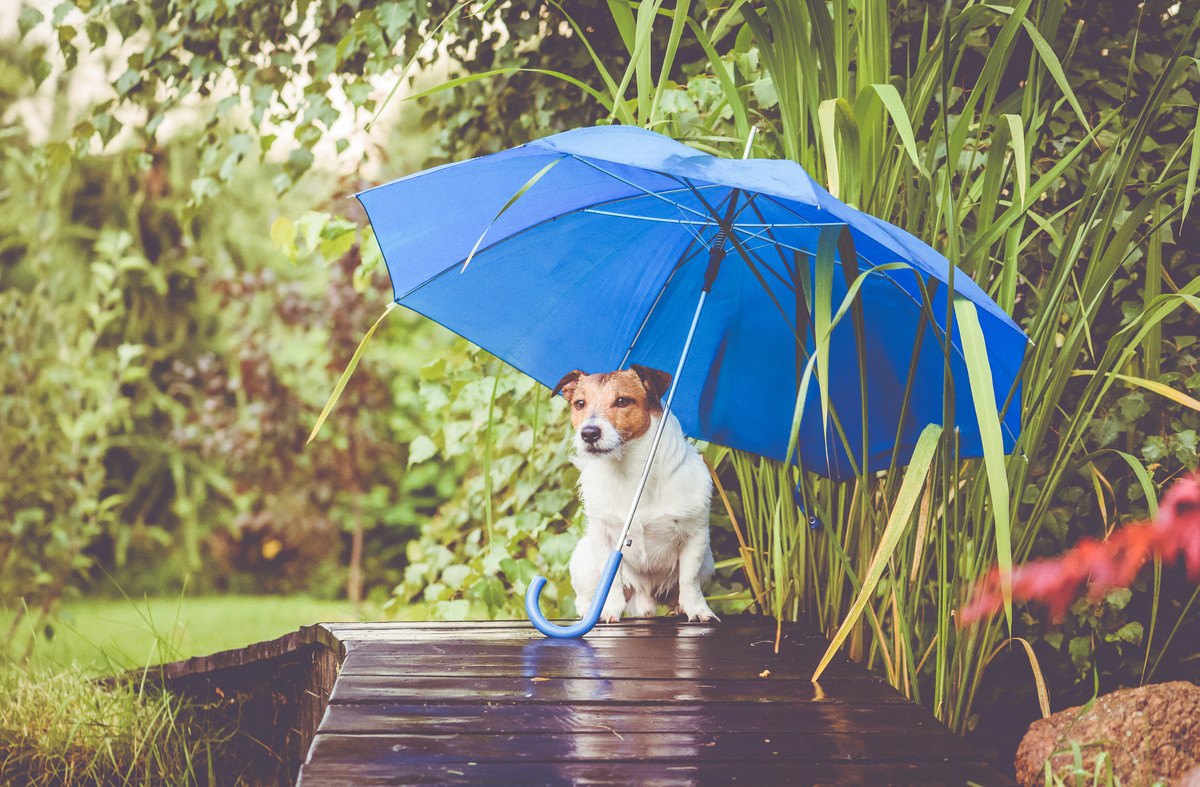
column 590, row 434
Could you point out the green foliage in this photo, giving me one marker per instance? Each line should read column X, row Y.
column 162, row 365
column 502, row 436
column 55, row 424
column 514, row 512
column 301, row 69
column 966, row 207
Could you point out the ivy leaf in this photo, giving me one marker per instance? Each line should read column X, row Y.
column 66, row 35
column 490, row 591
column 107, row 127
column 60, row 12
column 283, row 235
column 1130, row 632
column 39, row 69
column 1080, row 649
column 1154, row 449
column 336, row 247
column 518, row 570
column 127, row 81
column 421, row 449
column 394, row 17
column 97, row 34
column 29, row 18
column 1118, row 598
column 298, row 162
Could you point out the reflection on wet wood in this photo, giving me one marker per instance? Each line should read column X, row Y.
column 655, row 701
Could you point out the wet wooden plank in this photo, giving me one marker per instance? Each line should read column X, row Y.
column 401, row 688
column 642, row 657
column 681, row 773
column 434, row 717
column 387, row 752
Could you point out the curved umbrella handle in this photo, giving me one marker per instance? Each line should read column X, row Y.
column 534, row 611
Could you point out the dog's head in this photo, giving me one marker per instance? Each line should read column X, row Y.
column 608, row 410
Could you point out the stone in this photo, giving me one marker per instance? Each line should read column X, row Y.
column 1149, row 734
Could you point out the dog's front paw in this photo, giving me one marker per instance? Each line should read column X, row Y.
column 643, row 608
column 610, row 617
column 699, row 612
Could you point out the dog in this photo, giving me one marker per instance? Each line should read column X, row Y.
column 615, row 416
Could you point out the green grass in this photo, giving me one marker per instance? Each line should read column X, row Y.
column 103, row 636
column 63, row 727
column 59, row 725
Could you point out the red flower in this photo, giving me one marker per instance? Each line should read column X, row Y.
column 1179, row 524
column 1096, row 567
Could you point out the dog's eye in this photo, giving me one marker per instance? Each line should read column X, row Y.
column 579, row 404
column 623, row 401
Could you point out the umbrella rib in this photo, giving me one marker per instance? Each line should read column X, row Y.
column 642, row 189
column 742, row 253
column 483, row 249
column 712, row 212
column 766, row 288
column 789, row 285
column 782, row 257
column 861, row 256
column 686, row 224
column 683, row 260
column 661, row 219
column 766, row 227
column 887, row 275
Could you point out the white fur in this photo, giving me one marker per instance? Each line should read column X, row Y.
column 670, row 559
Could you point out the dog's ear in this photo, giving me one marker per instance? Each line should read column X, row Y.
column 656, row 381
column 567, row 384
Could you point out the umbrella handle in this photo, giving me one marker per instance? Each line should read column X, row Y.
column 534, row 611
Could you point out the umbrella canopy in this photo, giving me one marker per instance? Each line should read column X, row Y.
column 598, row 264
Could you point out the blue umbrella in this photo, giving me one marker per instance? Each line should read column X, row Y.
column 602, row 247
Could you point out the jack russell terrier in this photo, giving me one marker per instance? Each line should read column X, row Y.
column 615, row 416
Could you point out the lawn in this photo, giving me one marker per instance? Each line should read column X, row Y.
column 102, row 636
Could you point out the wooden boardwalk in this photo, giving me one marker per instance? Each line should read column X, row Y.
column 642, row 702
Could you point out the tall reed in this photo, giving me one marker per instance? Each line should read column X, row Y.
column 967, row 180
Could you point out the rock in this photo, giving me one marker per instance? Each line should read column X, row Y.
column 1149, row 734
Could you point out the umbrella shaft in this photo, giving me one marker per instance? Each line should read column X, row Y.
column 662, row 423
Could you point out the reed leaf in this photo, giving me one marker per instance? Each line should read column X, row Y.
column 910, row 491
column 347, row 373
column 979, row 373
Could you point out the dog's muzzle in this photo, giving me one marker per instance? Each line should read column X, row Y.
column 597, row 438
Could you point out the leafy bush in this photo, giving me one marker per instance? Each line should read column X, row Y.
column 55, row 425
column 515, row 512
column 500, row 434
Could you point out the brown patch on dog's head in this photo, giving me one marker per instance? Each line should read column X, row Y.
column 657, row 381
column 567, row 384
column 626, row 400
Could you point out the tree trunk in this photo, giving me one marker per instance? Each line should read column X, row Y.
column 354, row 579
